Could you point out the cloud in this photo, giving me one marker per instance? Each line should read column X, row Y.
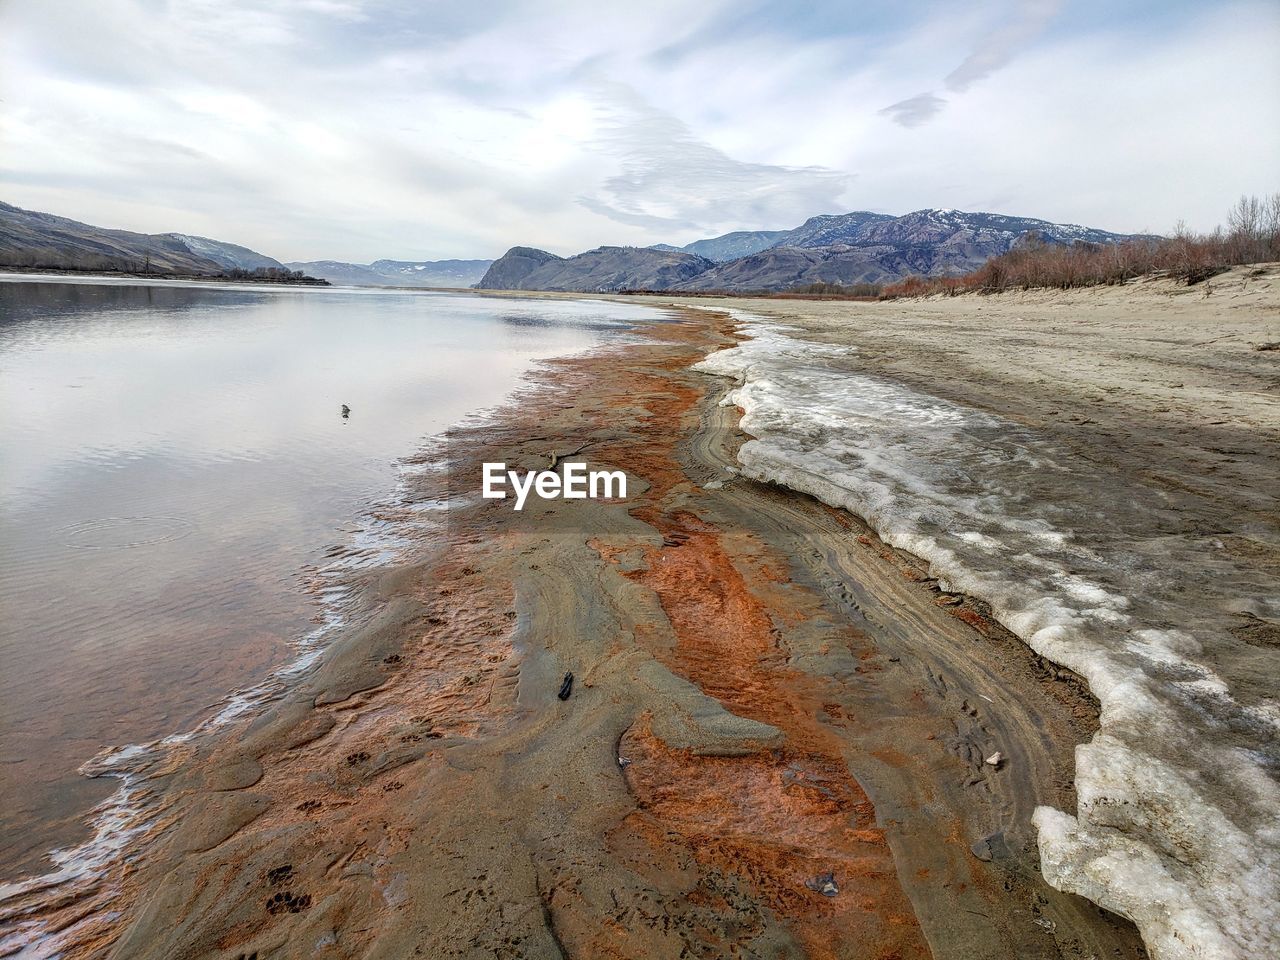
column 999, row 47
column 363, row 129
column 916, row 110
column 995, row 49
column 670, row 179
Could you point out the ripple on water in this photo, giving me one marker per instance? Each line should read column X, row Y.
column 115, row 533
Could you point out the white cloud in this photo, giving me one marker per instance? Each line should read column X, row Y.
column 1094, row 128
column 915, row 111
column 672, row 180
column 349, row 130
column 995, row 46
column 1002, row 43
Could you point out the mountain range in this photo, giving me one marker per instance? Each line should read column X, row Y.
column 397, row 273
column 32, row 239
column 845, row 249
column 850, row 248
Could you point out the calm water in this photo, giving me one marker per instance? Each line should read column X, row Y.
column 174, row 458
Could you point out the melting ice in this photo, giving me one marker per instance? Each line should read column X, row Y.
column 1177, row 825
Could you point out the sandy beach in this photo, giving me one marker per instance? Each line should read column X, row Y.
column 777, row 737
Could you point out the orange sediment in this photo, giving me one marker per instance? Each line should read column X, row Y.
column 780, row 819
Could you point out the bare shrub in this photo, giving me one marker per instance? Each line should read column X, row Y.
column 823, row 289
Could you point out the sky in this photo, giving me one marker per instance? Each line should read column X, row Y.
column 364, row 129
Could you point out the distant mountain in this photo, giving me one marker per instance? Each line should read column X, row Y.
column 818, row 231
column 859, row 247
column 398, row 273
column 597, row 271
column 432, row 273
column 945, row 227
column 741, row 243
column 336, row 271
column 831, row 229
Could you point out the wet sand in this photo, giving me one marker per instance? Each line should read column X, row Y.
column 765, row 694
column 1141, row 423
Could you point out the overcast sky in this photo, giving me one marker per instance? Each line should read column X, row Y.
column 360, row 129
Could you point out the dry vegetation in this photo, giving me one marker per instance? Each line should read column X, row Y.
column 855, row 290
column 1252, row 235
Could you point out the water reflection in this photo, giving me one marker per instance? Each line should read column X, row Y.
column 173, row 458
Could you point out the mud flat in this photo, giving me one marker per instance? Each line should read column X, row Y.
column 775, row 743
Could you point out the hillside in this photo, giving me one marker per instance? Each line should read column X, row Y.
column 31, row 239
column 772, row 269
column 228, row 255
column 829, row 230
column 602, row 269
column 730, row 246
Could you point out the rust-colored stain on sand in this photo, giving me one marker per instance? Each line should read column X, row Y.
column 779, row 820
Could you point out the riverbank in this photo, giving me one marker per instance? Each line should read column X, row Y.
column 63, row 273
column 765, row 696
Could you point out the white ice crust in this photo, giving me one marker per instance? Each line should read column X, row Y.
column 1178, row 820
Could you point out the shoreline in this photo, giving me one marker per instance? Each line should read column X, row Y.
column 195, row 620
column 65, row 272
column 353, row 797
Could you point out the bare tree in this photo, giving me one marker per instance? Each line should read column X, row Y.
column 1245, row 218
